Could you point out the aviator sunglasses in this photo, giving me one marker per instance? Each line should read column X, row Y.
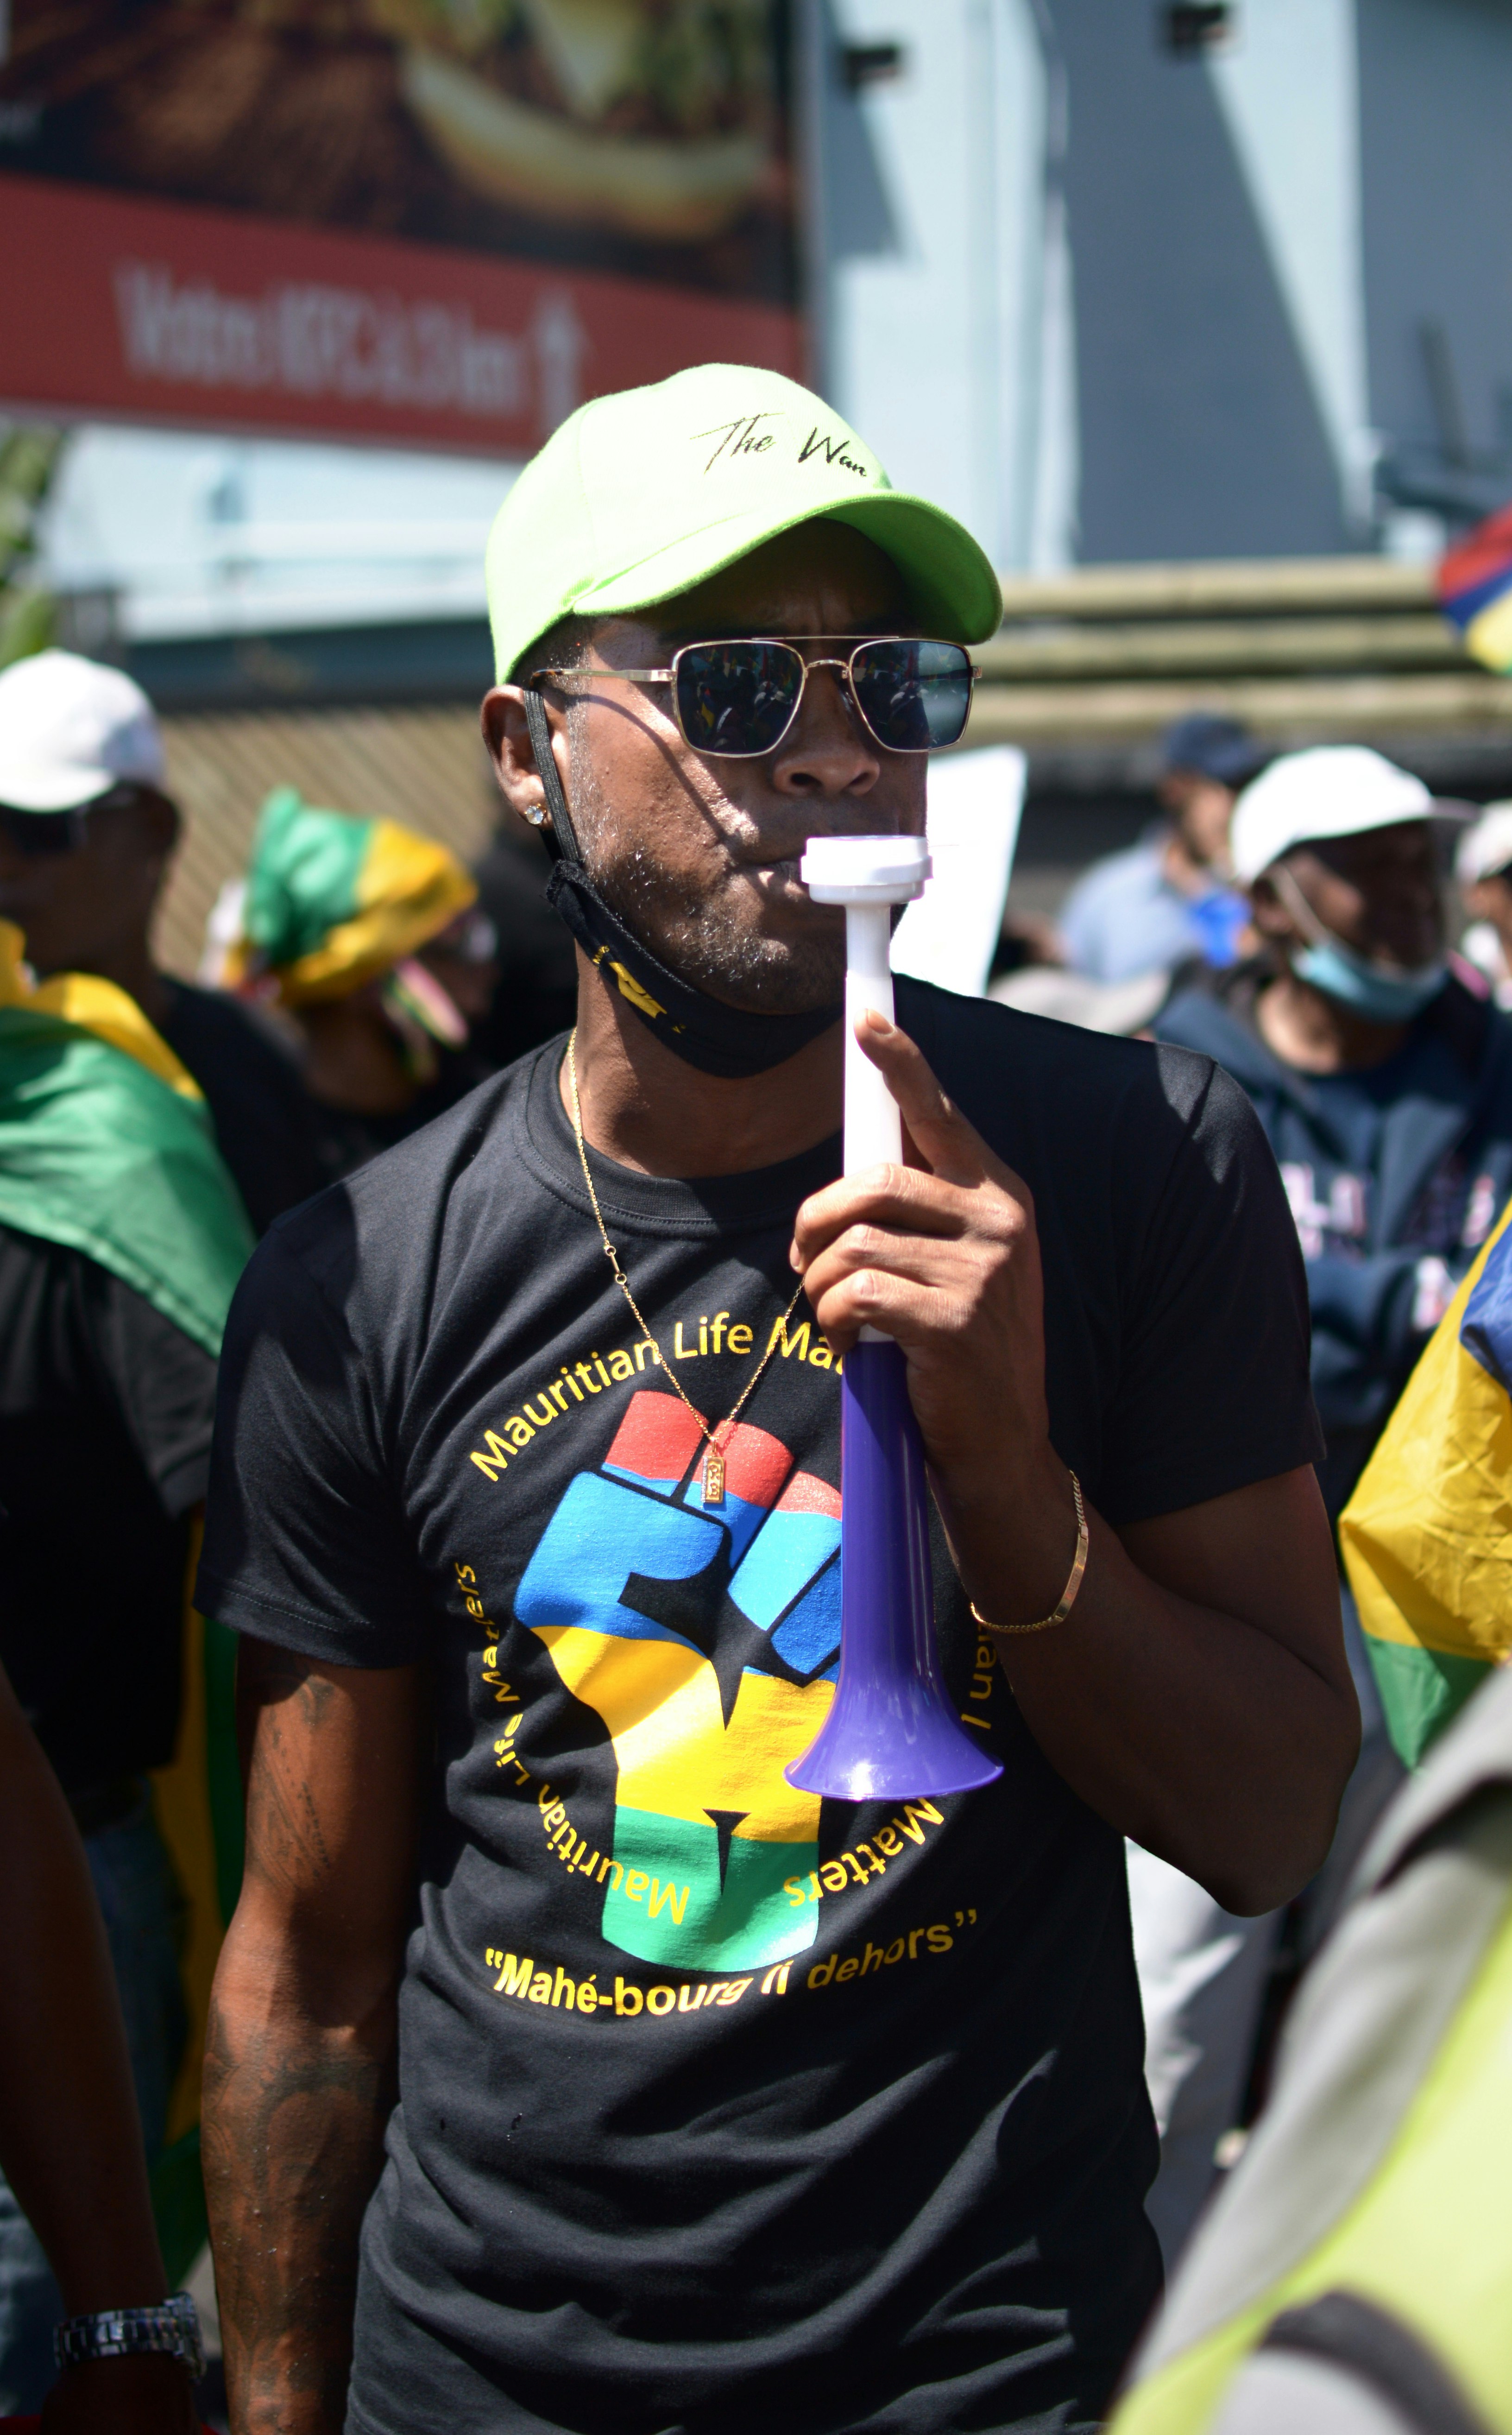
column 738, row 700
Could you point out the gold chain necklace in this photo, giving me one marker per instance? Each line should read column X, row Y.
column 714, row 1469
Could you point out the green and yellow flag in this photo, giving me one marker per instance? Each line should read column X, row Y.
column 333, row 901
column 1427, row 1535
column 106, row 1146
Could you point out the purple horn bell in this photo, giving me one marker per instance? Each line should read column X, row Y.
column 892, row 1734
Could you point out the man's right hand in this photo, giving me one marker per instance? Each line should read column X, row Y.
column 300, row 2057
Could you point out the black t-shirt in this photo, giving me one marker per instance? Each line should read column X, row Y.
column 264, row 1118
column 105, row 1421
column 719, row 2110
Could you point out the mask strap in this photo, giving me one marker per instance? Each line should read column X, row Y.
column 560, row 838
column 1316, row 933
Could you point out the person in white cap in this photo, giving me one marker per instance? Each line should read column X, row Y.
column 121, row 1237
column 1483, row 866
column 1384, row 1085
column 1384, row 1082
column 86, row 834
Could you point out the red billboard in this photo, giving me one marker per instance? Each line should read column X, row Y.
column 445, row 221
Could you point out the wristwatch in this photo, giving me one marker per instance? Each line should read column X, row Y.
column 116, row 2332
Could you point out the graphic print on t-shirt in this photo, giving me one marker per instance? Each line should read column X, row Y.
column 782, row 2177
column 706, row 1641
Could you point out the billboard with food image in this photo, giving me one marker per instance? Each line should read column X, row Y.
column 434, row 219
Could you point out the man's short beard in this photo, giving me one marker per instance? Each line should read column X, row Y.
column 700, row 938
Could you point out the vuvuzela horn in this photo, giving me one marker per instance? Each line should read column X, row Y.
column 892, row 1733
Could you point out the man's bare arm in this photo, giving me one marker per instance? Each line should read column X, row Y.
column 1198, row 1697
column 300, row 2055
column 70, row 2141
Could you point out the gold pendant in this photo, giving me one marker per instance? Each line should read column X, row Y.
column 714, row 1477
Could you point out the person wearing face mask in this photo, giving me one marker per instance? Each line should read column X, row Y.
column 1385, row 1086
column 1384, row 1082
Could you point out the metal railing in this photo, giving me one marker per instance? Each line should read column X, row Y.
column 1303, row 649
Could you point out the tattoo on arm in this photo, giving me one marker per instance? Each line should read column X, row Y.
column 299, row 2063
column 293, row 2147
column 283, row 1832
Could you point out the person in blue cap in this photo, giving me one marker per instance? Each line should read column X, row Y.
column 1170, row 898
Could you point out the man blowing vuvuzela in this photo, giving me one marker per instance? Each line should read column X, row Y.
column 568, row 2069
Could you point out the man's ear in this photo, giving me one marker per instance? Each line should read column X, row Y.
column 1489, row 900
column 1172, row 790
column 157, row 816
column 1271, row 918
column 507, row 734
column 140, row 826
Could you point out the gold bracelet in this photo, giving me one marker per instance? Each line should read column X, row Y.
column 1068, row 1595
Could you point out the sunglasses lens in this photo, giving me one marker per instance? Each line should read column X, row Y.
column 737, row 698
column 913, row 695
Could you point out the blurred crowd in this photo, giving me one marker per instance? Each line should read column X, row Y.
column 1290, row 915
column 357, row 971
column 358, row 981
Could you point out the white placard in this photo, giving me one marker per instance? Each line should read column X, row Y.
column 949, row 934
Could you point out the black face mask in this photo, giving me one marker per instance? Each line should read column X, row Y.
column 699, row 1028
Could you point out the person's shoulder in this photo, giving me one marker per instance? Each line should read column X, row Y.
column 1478, row 1031
column 1215, row 1012
column 29, row 1252
column 216, row 1016
column 1098, row 1105
column 373, row 1237
column 53, row 1295
column 395, row 1192
column 38, row 1271
column 980, row 1049
column 1195, row 1017
column 967, row 1032
column 40, row 1290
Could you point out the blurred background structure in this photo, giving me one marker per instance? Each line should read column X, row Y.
column 1190, row 281
column 1200, row 315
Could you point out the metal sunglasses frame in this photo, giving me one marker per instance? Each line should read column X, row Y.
column 668, row 676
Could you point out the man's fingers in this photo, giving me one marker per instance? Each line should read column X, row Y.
column 913, row 1257
column 902, row 1200
column 911, row 1313
column 954, row 1148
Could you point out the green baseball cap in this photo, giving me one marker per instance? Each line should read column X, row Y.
column 646, row 493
